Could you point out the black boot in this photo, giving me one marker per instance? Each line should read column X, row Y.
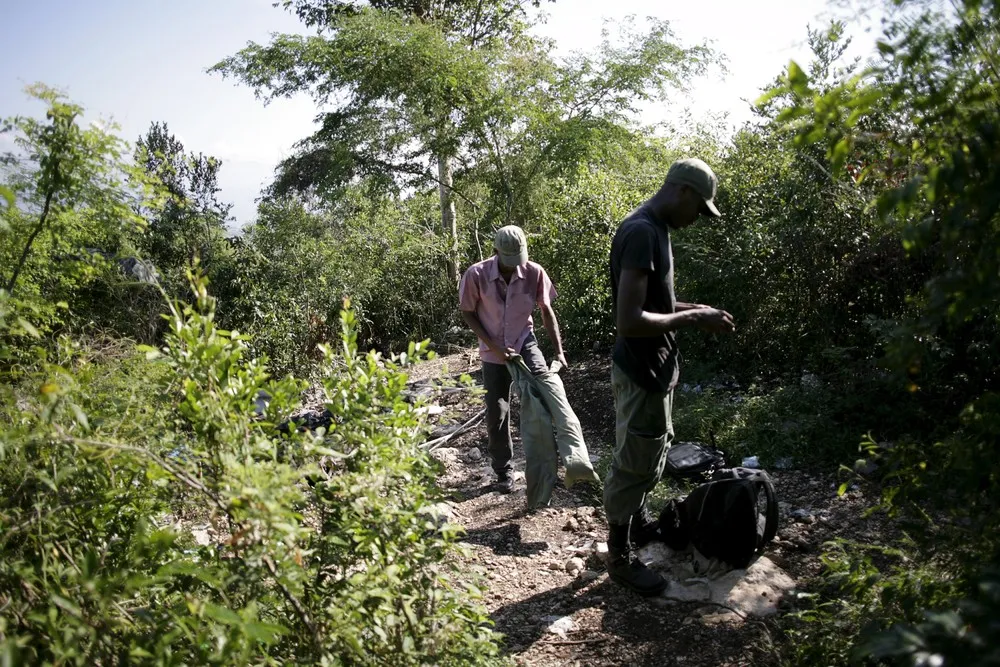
column 626, row 569
column 645, row 529
column 504, row 483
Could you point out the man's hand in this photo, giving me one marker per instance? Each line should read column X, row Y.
column 561, row 358
column 500, row 351
column 714, row 320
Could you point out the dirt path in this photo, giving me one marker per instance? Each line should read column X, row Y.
column 546, row 588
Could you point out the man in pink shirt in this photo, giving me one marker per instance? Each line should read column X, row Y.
column 497, row 297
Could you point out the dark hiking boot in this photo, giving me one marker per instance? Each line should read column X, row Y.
column 625, row 568
column 645, row 529
column 504, row 484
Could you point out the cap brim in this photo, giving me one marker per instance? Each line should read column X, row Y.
column 514, row 260
column 709, row 209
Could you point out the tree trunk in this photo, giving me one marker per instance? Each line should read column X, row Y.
column 449, row 222
column 31, row 239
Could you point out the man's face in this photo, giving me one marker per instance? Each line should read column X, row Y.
column 689, row 206
column 505, row 270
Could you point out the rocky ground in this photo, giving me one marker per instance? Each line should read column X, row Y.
column 546, row 588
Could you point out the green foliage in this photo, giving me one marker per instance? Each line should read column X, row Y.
column 475, row 19
column 191, row 223
column 295, row 267
column 431, row 91
column 75, row 208
column 860, row 587
column 799, row 258
column 150, row 514
column 966, row 635
column 933, row 95
column 318, row 547
column 571, row 236
column 403, row 78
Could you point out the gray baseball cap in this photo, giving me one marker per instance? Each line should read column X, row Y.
column 698, row 176
column 511, row 245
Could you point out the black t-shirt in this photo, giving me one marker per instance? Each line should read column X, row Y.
column 642, row 242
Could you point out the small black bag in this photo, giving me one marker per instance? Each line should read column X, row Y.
column 731, row 518
column 693, row 459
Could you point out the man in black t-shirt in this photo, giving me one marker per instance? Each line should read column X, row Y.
column 647, row 360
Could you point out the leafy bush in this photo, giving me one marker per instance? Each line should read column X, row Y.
column 320, row 547
column 571, row 237
column 862, row 585
column 74, row 214
column 937, row 182
column 295, row 267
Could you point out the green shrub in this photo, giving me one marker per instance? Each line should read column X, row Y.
column 211, row 535
column 295, row 267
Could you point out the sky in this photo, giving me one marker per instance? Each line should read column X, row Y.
column 139, row 61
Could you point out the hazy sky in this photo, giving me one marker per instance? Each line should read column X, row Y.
column 137, row 61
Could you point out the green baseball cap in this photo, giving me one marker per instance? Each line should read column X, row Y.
column 511, row 245
column 698, row 176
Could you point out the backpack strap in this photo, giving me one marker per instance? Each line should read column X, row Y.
column 771, row 516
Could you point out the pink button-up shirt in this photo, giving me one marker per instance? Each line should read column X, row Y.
column 504, row 309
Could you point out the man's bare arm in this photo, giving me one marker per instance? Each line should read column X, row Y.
column 472, row 320
column 551, row 324
column 681, row 306
column 634, row 322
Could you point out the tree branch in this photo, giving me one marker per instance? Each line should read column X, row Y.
column 302, row 612
column 31, row 239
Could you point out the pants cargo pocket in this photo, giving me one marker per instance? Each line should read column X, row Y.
column 634, row 471
column 643, row 454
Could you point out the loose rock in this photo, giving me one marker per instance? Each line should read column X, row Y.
column 574, row 565
column 805, row 516
column 559, row 625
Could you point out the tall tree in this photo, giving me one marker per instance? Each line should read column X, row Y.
column 409, row 78
column 192, row 222
column 424, row 91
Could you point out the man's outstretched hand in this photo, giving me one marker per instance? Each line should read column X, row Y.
column 714, row 320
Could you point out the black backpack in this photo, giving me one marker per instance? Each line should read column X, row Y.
column 732, row 517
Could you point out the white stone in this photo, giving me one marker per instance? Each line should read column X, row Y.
column 201, row 536
column 446, row 454
column 574, row 565
column 559, row 625
column 754, row 591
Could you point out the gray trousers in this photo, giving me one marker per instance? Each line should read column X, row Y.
column 643, row 434
column 497, row 381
